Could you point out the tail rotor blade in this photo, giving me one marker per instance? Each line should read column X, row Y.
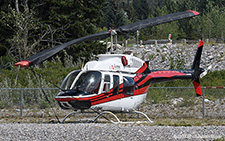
column 197, row 70
column 206, row 71
column 197, row 87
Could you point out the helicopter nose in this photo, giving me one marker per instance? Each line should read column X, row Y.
column 80, row 104
column 67, row 101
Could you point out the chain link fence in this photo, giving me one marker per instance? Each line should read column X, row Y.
column 182, row 102
column 171, row 102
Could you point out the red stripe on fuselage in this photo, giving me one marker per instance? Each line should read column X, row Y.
column 107, row 98
column 121, row 95
column 141, row 90
column 138, row 77
column 143, row 68
column 166, row 73
column 145, row 80
column 157, row 74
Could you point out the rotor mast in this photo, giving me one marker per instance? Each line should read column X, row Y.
column 112, row 33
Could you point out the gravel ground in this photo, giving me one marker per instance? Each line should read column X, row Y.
column 102, row 131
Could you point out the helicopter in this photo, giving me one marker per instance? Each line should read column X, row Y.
column 116, row 82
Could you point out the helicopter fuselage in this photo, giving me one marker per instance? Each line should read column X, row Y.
column 106, row 84
column 116, row 82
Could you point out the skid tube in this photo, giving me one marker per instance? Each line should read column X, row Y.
column 102, row 113
column 118, row 121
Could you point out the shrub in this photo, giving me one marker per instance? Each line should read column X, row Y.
column 43, row 104
column 2, row 105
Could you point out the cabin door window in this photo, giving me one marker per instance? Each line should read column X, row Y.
column 128, row 86
column 116, row 84
column 106, row 87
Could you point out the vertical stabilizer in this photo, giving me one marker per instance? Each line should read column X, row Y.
column 197, row 70
column 198, row 54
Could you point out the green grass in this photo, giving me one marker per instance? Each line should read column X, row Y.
column 156, row 122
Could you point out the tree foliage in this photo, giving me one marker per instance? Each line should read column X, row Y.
column 30, row 26
column 114, row 15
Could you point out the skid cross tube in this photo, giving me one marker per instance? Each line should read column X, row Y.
column 118, row 121
column 75, row 112
column 107, row 112
column 102, row 113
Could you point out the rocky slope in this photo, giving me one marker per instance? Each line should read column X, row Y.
column 164, row 56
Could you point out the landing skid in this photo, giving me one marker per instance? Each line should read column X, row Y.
column 118, row 121
column 102, row 113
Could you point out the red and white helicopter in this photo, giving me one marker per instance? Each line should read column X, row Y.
column 116, row 82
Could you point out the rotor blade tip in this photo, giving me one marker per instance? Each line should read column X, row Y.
column 23, row 64
column 195, row 12
column 201, row 43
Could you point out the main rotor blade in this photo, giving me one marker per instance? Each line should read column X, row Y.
column 155, row 21
column 47, row 53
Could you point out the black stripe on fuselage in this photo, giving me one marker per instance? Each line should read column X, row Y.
column 106, row 96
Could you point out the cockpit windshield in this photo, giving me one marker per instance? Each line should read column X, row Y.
column 88, row 82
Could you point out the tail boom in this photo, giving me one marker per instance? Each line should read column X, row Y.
column 158, row 76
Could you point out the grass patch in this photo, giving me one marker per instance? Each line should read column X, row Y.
column 48, row 117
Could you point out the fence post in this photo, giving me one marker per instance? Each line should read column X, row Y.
column 21, row 102
column 203, row 104
column 138, row 113
column 156, row 43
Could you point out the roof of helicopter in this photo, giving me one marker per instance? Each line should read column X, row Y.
column 114, row 62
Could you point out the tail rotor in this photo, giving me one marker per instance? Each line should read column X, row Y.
column 206, row 71
column 197, row 71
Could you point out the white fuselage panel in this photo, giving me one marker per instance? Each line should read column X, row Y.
column 113, row 62
column 122, row 105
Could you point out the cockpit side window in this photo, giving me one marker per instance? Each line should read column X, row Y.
column 68, row 81
column 116, row 84
column 128, row 86
column 106, row 87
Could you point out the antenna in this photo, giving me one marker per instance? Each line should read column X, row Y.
column 137, row 38
column 113, row 32
column 106, row 45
